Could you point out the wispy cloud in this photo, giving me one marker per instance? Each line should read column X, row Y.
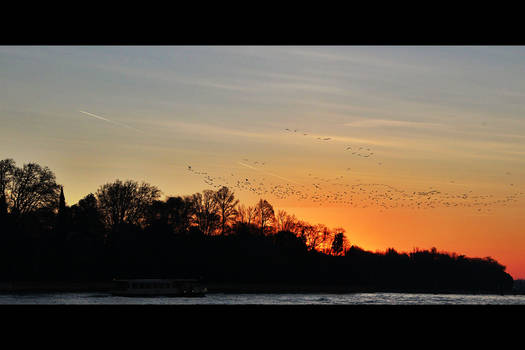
column 275, row 136
column 378, row 123
column 266, row 84
column 202, row 128
column 359, row 57
column 109, row 121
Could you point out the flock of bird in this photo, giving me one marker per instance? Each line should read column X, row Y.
column 359, row 152
column 335, row 191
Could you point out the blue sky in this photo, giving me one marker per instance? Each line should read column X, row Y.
column 450, row 103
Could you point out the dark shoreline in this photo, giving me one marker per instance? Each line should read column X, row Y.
column 22, row 287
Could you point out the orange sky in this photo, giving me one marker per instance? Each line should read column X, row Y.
column 432, row 138
column 498, row 235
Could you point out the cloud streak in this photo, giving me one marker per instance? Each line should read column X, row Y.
column 373, row 123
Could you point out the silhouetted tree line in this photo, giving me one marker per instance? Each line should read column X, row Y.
column 125, row 230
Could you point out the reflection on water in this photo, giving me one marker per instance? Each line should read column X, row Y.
column 268, row 299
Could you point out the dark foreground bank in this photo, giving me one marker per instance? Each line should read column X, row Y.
column 125, row 231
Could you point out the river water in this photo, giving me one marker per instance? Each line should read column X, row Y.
column 265, row 299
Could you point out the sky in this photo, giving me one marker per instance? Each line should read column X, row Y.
column 404, row 147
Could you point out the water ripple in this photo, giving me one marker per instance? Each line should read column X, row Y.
column 268, row 299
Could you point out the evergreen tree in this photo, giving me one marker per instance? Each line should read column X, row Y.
column 62, row 219
column 6, row 170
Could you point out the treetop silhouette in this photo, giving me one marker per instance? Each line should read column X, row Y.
column 125, row 229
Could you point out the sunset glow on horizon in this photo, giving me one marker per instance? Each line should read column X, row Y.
column 403, row 147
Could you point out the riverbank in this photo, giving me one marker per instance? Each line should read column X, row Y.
column 226, row 288
column 54, row 287
column 76, row 287
column 332, row 289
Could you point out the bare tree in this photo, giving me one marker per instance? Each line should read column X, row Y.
column 246, row 214
column 312, row 237
column 125, row 202
column 284, row 221
column 265, row 215
column 180, row 212
column 326, row 238
column 241, row 214
column 226, row 203
column 28, row 188
column 176, row 212
column 316, row 237
column 206, row 215
column 280, row 218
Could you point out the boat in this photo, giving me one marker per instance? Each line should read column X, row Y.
column 188, row 287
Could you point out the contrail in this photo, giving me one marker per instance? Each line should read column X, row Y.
column 265, row 172
column 109, row 121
